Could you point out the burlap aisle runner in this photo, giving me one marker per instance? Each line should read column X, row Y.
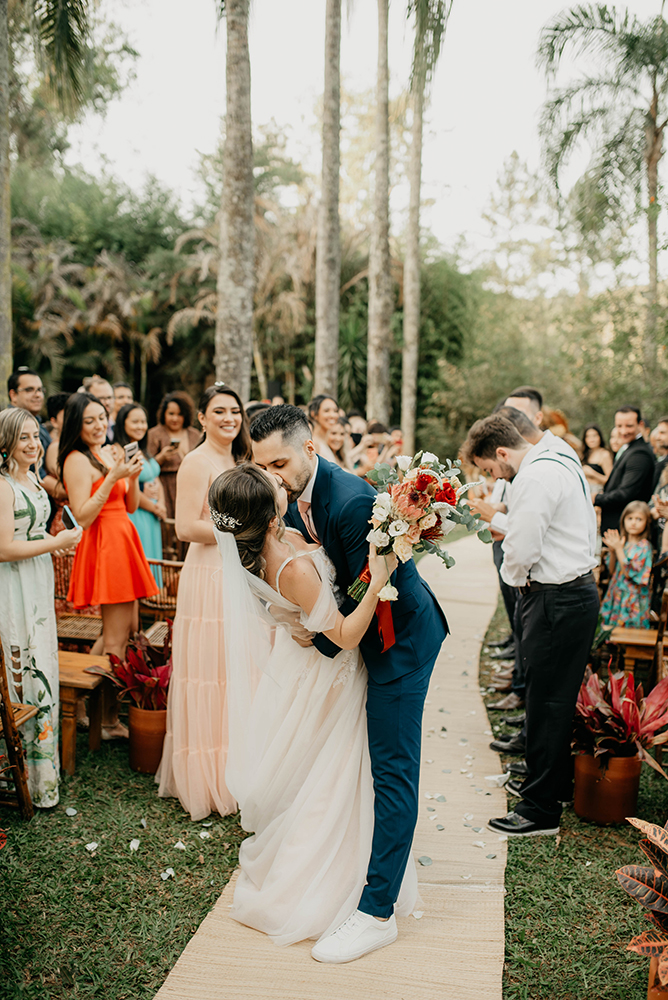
column 455, row 949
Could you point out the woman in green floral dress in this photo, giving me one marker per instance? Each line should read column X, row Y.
column 27, row 614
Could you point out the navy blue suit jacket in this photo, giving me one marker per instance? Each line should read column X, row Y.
column 341, row 509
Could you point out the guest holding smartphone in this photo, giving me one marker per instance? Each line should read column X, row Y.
column 110, row 567
column 171, row 440
column 132, row 426
column 28, row 620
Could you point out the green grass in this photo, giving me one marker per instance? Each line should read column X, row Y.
column 567, row 920
column 105, row 925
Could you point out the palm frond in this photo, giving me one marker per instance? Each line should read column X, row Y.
column 61, row 30
column 588, row 29
column 431, row 21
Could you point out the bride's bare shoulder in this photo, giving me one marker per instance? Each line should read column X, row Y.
column 297, row 540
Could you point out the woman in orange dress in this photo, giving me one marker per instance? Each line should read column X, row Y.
column 194, row 754
column 110, row 568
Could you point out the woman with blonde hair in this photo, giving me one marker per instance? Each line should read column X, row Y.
column 28, row 620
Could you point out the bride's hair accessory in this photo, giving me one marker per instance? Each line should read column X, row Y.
column 224, row 522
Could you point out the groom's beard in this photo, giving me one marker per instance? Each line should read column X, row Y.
column 296, row 488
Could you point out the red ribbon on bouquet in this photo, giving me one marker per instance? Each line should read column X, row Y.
column 383, row 614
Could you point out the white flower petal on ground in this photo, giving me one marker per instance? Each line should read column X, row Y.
column 168, row 873
column 179, row 845
column 143, row 823
column 70, row 811
column 134, row 845
column 204, row 834
column 92, row 846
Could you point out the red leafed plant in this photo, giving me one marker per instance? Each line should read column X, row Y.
column 144, row 673
column 615, row 720
column 650, row 887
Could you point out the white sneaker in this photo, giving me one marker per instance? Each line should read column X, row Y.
column 356, row 936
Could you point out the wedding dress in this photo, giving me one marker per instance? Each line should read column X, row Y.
column 298, row 760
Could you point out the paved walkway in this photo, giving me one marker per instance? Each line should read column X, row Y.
column 455, row 948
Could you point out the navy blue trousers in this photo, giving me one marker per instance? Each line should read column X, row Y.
column 394, row 723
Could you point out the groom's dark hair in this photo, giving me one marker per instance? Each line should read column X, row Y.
column 289, row 420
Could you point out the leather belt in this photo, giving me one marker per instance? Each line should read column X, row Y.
column 534, row 586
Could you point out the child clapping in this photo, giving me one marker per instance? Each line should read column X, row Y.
column 627, row 599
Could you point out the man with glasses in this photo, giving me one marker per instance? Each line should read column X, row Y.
column 25, row 389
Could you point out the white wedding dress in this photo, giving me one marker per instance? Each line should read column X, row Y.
column 298, row 762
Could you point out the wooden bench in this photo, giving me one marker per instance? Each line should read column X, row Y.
column 74, row 682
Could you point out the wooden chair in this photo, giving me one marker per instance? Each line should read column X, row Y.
column 79, row 629
column 644, row 646
column 167, row 575
column 157, row 633
column 12, row 716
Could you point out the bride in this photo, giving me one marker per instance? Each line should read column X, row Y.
column 298, row 761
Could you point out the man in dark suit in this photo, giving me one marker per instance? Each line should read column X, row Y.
column 632, row 474
column 334, row 507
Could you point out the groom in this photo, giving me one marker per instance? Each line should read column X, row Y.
column 333, row 507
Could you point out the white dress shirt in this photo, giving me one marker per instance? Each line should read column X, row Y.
column 551, row 534
column 501, row 494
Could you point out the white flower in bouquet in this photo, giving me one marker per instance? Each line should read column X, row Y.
column 402, row 548
column 413, row 474
column 428, row 457
column 428, row 521
column 388, row 593
column 382, row 506
column 447, row 525
column 397, row 528
column 378, row 538
column 403, row 462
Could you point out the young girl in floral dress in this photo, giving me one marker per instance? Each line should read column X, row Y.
column 627, row 599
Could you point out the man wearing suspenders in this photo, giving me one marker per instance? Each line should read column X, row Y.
column 549, row 553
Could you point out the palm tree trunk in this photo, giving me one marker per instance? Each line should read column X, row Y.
column 409, row 367
column 236, row 272
column 653, row 153
column 143, row 379
column 380, row 283
column 259, row 369
column 6, row 357
column 328, row 250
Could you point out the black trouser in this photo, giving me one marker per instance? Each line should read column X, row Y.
column 509, row 594
column 519, row 679
column 558, row 626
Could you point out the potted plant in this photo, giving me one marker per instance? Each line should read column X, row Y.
column 650, row 887
column 144, row 677
column 613, row 731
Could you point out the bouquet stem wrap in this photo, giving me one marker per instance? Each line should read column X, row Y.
column 357, row 590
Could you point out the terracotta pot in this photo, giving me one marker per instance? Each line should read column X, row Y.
column 607, row 795
column 655, row 991
column 147, row 733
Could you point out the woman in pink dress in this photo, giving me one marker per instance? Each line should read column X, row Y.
column 195, row 749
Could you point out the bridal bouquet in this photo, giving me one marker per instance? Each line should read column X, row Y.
column 418, row 504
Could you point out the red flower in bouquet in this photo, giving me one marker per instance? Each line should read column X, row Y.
column 423, row 481
column 446, row 494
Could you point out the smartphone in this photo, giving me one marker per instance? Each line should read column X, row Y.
column 174, row 443
column 130, row 450
column 69, row 520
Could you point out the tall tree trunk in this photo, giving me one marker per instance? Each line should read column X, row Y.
column 328, row 249
column 236, row 273
column 411, row 348
column 259, row 369
column 653, row 153
column 6, row 358
column 380, row 283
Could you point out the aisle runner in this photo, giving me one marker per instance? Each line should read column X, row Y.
column 456, row 948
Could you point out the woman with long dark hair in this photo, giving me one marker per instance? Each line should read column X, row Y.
column 596, row 459
column 110, row 568
column 195, row 749
column 132, row 425
column 323, row 414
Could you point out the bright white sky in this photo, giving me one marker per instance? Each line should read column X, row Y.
column 485, row 100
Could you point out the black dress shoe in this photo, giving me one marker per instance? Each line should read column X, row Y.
column 514, row 746
column 514, row 825
column 515, row 720
column 515, row 786
column 518, row 767
column 504, row 653
column 499, row 643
